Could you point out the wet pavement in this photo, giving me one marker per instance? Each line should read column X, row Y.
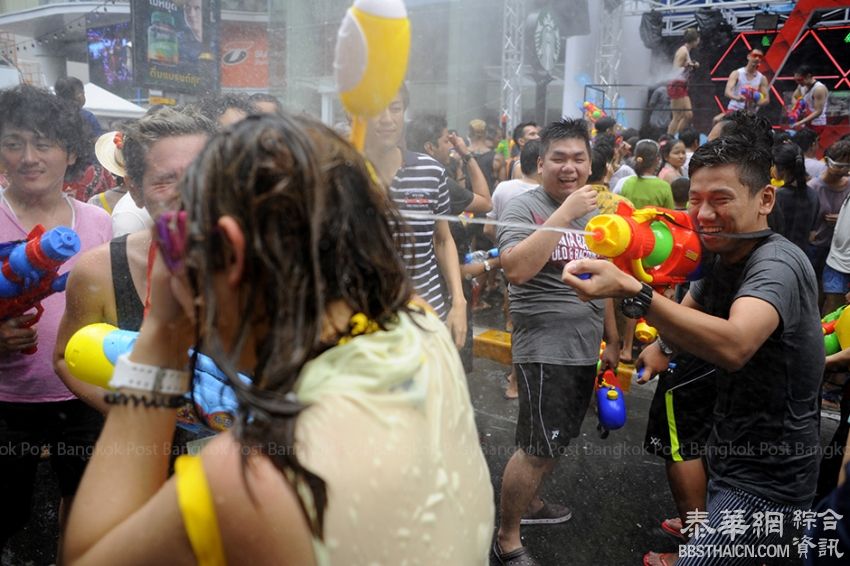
column 618, row 493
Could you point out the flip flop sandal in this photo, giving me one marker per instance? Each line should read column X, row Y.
column 518, row 557
column 667, row 527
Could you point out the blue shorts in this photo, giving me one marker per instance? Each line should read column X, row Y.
column 835, row 282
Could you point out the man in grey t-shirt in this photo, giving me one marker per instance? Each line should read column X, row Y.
column 556, row 336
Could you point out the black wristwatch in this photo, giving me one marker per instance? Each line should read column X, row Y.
column 637, row 306
column 466, row 157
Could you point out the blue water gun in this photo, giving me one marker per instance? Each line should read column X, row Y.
column 30, row 271
column 610, row 403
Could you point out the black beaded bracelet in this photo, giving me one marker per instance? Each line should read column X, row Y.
column 160, row 402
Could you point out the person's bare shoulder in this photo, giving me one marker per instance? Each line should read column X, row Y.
column 257, row 508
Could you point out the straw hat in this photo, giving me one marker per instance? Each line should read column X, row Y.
column 108, row 148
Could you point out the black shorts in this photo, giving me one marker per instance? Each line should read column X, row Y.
column 68, row 428
column 681, row 414
column 553, row 400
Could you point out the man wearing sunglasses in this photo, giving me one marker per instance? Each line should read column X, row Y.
column 814, row 93
column 746, row 88
column 109, row 283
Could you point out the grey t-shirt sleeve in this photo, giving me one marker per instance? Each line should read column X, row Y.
column 516, row 211
column 771, row 277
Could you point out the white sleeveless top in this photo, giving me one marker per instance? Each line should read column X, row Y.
column 807, row 96
column 744, row 81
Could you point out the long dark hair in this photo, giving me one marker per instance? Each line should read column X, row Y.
column 318, row 229
column 788, row 158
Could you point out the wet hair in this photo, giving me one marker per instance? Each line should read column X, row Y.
column 689, row 137
column 747, row 123
column 564, row 129
column 605, row 125
column 528, row 157
column 629, row 133
column 68, row 87
column 646, row 155
column 599, row 163
column 166, row 123
column 746, row 150
column 318, row 228
column 788, row 158
column 806, row 139
column 680, row 187
column 213, row 107
column 780, row 138
column 266, row 97
column 425, row 129
column 605, row 138
column 804, row 70
column 520, row 129
column 839, row 151
column 35, row 109
column 691, row 35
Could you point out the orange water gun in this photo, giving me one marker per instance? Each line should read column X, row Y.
column 657, row 246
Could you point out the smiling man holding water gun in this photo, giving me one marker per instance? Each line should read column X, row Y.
column 41, row 140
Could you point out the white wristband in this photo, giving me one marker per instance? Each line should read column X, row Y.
column 148, row 378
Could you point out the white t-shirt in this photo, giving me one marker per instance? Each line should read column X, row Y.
column 622, row 173
column 128, row 218
column 505, row 191
column 814, row 167
column 839, row 251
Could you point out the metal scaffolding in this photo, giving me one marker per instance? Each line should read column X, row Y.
column 609, row 48
column 513, row 24
column 740, row 14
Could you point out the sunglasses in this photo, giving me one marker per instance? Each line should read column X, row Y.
column 171, row 238
column 837, row 164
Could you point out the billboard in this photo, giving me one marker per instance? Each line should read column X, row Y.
column 244, row 56
column 110, row 56
column 175, row 44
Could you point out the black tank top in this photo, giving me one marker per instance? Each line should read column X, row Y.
column 128, row 307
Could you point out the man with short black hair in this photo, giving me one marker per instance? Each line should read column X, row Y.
column 815, row 95
column 556, row 337
column 524, row 132
column 754, row 316
column 41, row 139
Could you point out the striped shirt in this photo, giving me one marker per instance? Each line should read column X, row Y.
column 420, row 186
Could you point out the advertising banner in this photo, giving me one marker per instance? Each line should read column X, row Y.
column 244, row 56
column 175, row 44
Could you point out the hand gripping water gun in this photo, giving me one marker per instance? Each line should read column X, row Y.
column 93, row 350
column 592, row 111
column 29, row 272
column 799, row 111
column 657, row 246
column 610, row 403
column 371, row 60
column 836, row 330
column 751, row 94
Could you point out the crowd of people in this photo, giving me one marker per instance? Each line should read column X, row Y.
column 344, row 285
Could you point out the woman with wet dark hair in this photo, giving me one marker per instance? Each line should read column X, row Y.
column 796, row 202
column 355, row 441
